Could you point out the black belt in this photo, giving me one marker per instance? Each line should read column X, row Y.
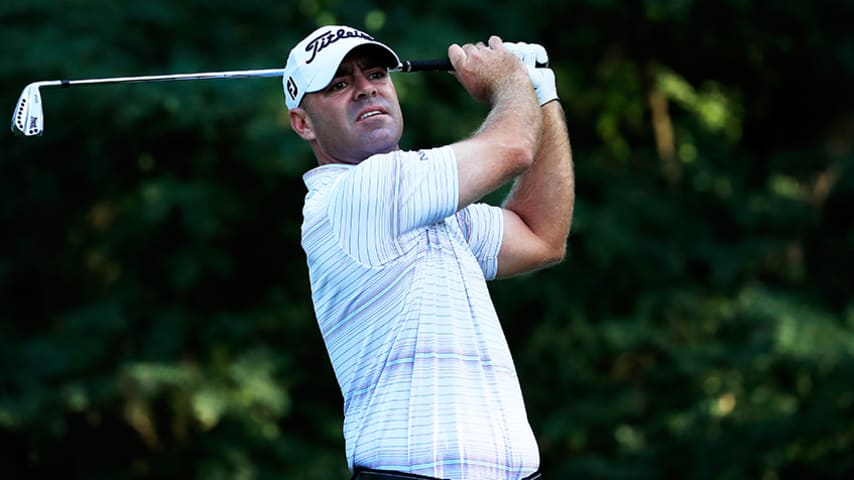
column 368, row 474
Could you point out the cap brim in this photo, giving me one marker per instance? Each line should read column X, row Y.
column 321, row 81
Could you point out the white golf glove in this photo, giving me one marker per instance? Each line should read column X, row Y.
column 542, row 78
column 545, row 87
column 531, row 54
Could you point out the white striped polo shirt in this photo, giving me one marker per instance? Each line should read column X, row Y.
column 398, row 281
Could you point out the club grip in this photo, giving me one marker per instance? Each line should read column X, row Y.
column 435, row 65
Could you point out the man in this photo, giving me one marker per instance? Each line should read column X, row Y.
column 398, row 251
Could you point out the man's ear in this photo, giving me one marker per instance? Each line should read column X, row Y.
column 301, row 123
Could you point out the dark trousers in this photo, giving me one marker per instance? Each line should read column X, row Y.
column 368, row 474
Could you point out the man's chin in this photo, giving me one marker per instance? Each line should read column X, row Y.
column 377, row 151
column 381, row 144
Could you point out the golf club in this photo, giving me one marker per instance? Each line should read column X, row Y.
column 28, row 118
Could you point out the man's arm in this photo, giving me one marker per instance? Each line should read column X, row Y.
column 538, row 210
column 506, row 143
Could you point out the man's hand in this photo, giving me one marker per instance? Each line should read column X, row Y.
column 484, row 70
column 542, row 78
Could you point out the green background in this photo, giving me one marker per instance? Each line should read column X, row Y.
column 155, row 315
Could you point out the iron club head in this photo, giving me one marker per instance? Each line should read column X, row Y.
column 28, row 119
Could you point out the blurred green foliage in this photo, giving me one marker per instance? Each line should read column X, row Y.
column 155, row 315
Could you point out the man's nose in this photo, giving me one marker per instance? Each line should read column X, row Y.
column 364, row 86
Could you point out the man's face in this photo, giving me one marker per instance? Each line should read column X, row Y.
column 357, row 115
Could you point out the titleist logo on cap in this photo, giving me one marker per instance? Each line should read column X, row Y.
column 328, row 38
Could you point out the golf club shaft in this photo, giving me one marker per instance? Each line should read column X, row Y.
column 406, row 66
column 173, row 77
column 441, row 64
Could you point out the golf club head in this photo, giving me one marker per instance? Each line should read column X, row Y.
column 28, row 118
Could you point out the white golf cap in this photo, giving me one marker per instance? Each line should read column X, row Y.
column 313, row 62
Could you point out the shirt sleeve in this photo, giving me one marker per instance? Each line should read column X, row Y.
column 378, row 203
column 483, row 228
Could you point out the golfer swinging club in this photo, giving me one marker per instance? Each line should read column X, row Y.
column 399, row 251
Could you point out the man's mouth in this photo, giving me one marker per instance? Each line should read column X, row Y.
column 370, row 113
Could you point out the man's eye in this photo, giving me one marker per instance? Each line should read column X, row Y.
column 377, row 74
column 337, row 86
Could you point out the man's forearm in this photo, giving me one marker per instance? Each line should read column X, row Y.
column 515, row 117
column 506, row 143
column 544, row 196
